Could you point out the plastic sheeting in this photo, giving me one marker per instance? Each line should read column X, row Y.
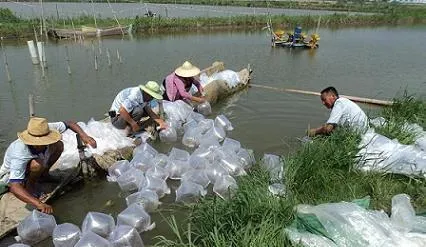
column 350, row 224
column 36, row 227
column 107, row 138
column 125, row 236
column 380, row 153
column 65, row 235
column 91, row 239
column 99, row 223
column 135, row 216
column 229, row 76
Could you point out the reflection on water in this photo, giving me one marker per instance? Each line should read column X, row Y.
column 365, row 62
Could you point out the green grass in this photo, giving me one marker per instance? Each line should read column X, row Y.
column 320, row 172
column 405, row 109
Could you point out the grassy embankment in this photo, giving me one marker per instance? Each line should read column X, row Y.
column 11, row 26
column 320, row 172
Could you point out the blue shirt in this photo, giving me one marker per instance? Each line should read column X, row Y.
column 130, row 98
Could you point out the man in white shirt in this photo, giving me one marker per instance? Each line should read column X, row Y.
column 131, row 104
column 30, row 157
column 343, row 113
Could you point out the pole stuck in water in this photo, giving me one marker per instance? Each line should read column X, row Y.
column 6, row 64
column 31, row 105
column 118, row 56
column 67, row 59
column 109, row 57
column 42, row 54
column 33, row 52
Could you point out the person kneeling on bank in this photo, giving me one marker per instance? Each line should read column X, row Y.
column 133, row 103
column 28, row 159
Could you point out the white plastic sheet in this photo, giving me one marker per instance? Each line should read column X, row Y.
column 91, row 239
column 65, row 235
column 99, row 223
column 125, row 236
column 36, row 227
column 135, row 216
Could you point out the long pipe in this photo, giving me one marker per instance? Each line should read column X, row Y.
column 353, row 98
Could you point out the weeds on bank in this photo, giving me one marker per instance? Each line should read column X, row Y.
column 405, row 110
column 320, row 172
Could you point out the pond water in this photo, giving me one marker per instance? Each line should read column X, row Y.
column 121, row 10
column 367, row 62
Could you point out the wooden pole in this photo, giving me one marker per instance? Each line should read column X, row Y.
column 109, row 57
column 353, row 98
column 73, row 28
column 6, row 64
column 67, row 58
column 119, row 57
column 31, row 105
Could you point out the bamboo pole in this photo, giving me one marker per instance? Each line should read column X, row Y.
column 31, row 105
column 353, row 98
column 6, row 64
column 67, row 59
column 109, row 57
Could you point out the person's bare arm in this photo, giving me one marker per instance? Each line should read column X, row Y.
column 128, row 118
column 323, row 130
column 84, row 137
column 22, row 194
column 155, row 117
column 198, row 99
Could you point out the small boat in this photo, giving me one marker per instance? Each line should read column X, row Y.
column 295, row 39
column 84, row 32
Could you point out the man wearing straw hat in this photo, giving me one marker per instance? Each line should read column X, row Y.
column 28, row 159
column 178, row 84
column 131, row 104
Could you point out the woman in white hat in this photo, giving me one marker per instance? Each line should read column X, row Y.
column 179, row 83
column 30, row 157
column 133, row 103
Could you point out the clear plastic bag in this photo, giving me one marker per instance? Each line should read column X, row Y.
column 233, row 165
column 158, row 172
column 148, row 199
column 156, row 184
column 223, row 122
column 135, row 216
column 190, row 125
column 196, row 176
column 65, row 235
column 178, row 154
column 205, row 125
column 197, row 117
column 231, row 145
column 178, row 126
column 403, row 214
column 118, row 169
column 224, row 186
column 142, row 161
column 91, row 239
column 125, row 236
column 19, row 245
column 277, row 189
column 192, row 137
column 189, row 192
column 168, row 135
column 204, row 108
column 36, row 227
column 160, row 160
column 209, row 141
column 198, row 163
column 273, row 164
column 177, row 168
column 177, row 110
column 246, row 157
column 217, row 132
column 99, row 223
column 145, row 148
column 131, row 180
column 215, row 171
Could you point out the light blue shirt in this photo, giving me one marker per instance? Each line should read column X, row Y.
column 18, row 155
column 130, row 98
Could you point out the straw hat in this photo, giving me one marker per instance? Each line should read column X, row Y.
column 187, row 70
column 38, row 133
column 152, row 88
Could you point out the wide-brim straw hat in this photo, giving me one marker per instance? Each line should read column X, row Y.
column 152, row 88
column 187, row 70
column 38, row 133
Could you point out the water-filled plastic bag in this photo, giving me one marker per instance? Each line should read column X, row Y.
column 146, row 198
column 36, row 227
column 99, row 223
column 65, row 235
column 135, row 216
column 91, row 239
column 125, row 236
